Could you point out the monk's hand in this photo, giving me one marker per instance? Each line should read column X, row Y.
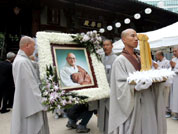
column 143, row 84
column 155, row 65
column 172, row 63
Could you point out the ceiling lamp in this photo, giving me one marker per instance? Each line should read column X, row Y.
column 118, row 24
column 148, row 10
column 101, row 30
column 109, row 28
column 127, row 21
column 137, row 16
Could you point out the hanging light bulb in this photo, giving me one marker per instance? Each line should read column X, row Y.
column 127, row 21
column 101, row 30
column 118, row 24
column 148, row 10
column 109, row 28
column 137, row 16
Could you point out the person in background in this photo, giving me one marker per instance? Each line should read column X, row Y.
column 174, row 89
column 76, row 113
column 162, row 63
column 103, row 104
column 6, row 83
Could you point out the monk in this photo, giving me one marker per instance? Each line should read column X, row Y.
column 28, row 115
column 134, row 109
column 174, row 89
column 103, row 105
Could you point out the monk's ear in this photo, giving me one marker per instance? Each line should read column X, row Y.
column 123, row 40
column 112, row 45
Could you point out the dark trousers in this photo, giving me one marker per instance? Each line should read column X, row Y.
column 3, row 101
column 79, row 112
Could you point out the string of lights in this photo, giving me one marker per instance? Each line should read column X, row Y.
column 136, row 16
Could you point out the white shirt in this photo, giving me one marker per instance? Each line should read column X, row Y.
column 164, row 63
column 65, row 75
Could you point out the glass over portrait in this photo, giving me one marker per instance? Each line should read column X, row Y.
column 73, row 67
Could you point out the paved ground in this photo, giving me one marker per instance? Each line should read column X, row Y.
column 57, row 126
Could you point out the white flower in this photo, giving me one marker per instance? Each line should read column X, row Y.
column 45, row 93
column 56, row 88
column 82, row 34
column 50, row 77
column 58, row 106
column 85, row 38
column 94, row 31
column 99, row 39
column 53, row 96
column 64, row 102
column 49, row 85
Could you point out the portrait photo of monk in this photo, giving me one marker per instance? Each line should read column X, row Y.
column 73, row 68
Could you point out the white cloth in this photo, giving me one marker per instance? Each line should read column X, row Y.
column 143, row 84
column 28, row 116
column 65, row 75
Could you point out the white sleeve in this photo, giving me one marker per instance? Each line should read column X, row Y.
column 175, row 69
column 66, row 79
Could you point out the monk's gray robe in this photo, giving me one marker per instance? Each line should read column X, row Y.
column 174, row 89
column 103, row 106
column 166, row 64
column 28, row 116
column 131, row 111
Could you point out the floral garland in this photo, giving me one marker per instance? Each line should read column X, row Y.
column 45, row 58
column 91, row 41
column 53, row 96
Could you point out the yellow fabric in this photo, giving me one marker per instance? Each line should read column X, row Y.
column 145, row 52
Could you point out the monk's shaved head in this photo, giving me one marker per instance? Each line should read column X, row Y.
column 175, row 47
column 71, row 59
column 129, row 38
column 25, row 40
column 126, row 32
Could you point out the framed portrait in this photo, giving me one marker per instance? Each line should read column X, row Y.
column 74, row 67
column 82, row 71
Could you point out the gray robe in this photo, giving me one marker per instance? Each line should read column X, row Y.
column 103, row 105
column 28, row 116
column 174, row 89
column 134, row 112
column 166, row 64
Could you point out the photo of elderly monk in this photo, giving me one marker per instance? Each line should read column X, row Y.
column 73, row 68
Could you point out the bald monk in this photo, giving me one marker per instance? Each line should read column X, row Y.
column 28, row 114
column 134, row 109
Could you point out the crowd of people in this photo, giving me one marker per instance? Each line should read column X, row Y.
column 131, row 109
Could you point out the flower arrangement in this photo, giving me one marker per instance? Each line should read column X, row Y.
column 91, row 40
column 45, row 58
column 53, row 96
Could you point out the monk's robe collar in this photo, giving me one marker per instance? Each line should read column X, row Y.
column 22, row 53
column 112, row 53
column 136, row 63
